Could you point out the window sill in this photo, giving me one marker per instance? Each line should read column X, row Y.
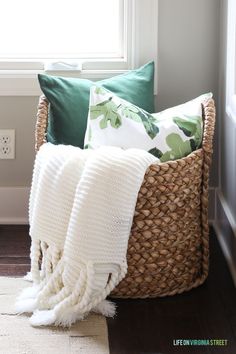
column 25, row 82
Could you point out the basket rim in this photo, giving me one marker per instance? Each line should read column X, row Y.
column 192, row 155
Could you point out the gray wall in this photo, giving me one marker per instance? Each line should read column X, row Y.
column 187, row 67
column 18, row 113
column 188, row 49
column 188, row 56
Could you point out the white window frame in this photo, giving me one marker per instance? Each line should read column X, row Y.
column 140, row 37
column 231, row 60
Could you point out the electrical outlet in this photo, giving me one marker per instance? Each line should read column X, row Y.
column 5, row 139
column 5, row 150
column 7, row 144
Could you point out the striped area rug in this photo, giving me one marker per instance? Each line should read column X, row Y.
column 17, row 336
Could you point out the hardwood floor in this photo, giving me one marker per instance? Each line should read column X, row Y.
column 14, row 250
column 151, row 326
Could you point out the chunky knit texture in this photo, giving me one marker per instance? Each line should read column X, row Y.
column 81, row 210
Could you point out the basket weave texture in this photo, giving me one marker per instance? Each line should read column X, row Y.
column 168, row 249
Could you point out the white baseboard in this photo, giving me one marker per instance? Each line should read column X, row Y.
column 225, row 227
column 14, row 205
column 226, row 251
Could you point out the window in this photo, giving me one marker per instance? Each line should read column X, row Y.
column 61, row 29
column 231, row 60
column 91, row 39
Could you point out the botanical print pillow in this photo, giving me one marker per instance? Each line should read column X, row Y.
column 169, row 135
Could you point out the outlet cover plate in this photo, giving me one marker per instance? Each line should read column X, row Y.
column 7, row 144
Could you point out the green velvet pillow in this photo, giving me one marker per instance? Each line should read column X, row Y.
column 69, row 100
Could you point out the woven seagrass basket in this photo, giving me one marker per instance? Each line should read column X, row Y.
column 168, row 250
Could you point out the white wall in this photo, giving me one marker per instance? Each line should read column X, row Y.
column 225, row 222
column 187, row 67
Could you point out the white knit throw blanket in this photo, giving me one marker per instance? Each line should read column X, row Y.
column 81, row 210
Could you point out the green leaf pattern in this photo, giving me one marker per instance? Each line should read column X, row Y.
column 191, row 127
column 179, row 148
column 181, row 140
column 113, row 114
column 99, row 90
column 156, row 152
column 109, row 110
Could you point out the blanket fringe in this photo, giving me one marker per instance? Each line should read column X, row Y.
column 44, row 260
column 77, row 305
column 57, row 304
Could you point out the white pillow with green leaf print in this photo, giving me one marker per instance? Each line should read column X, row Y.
column 169, row 135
